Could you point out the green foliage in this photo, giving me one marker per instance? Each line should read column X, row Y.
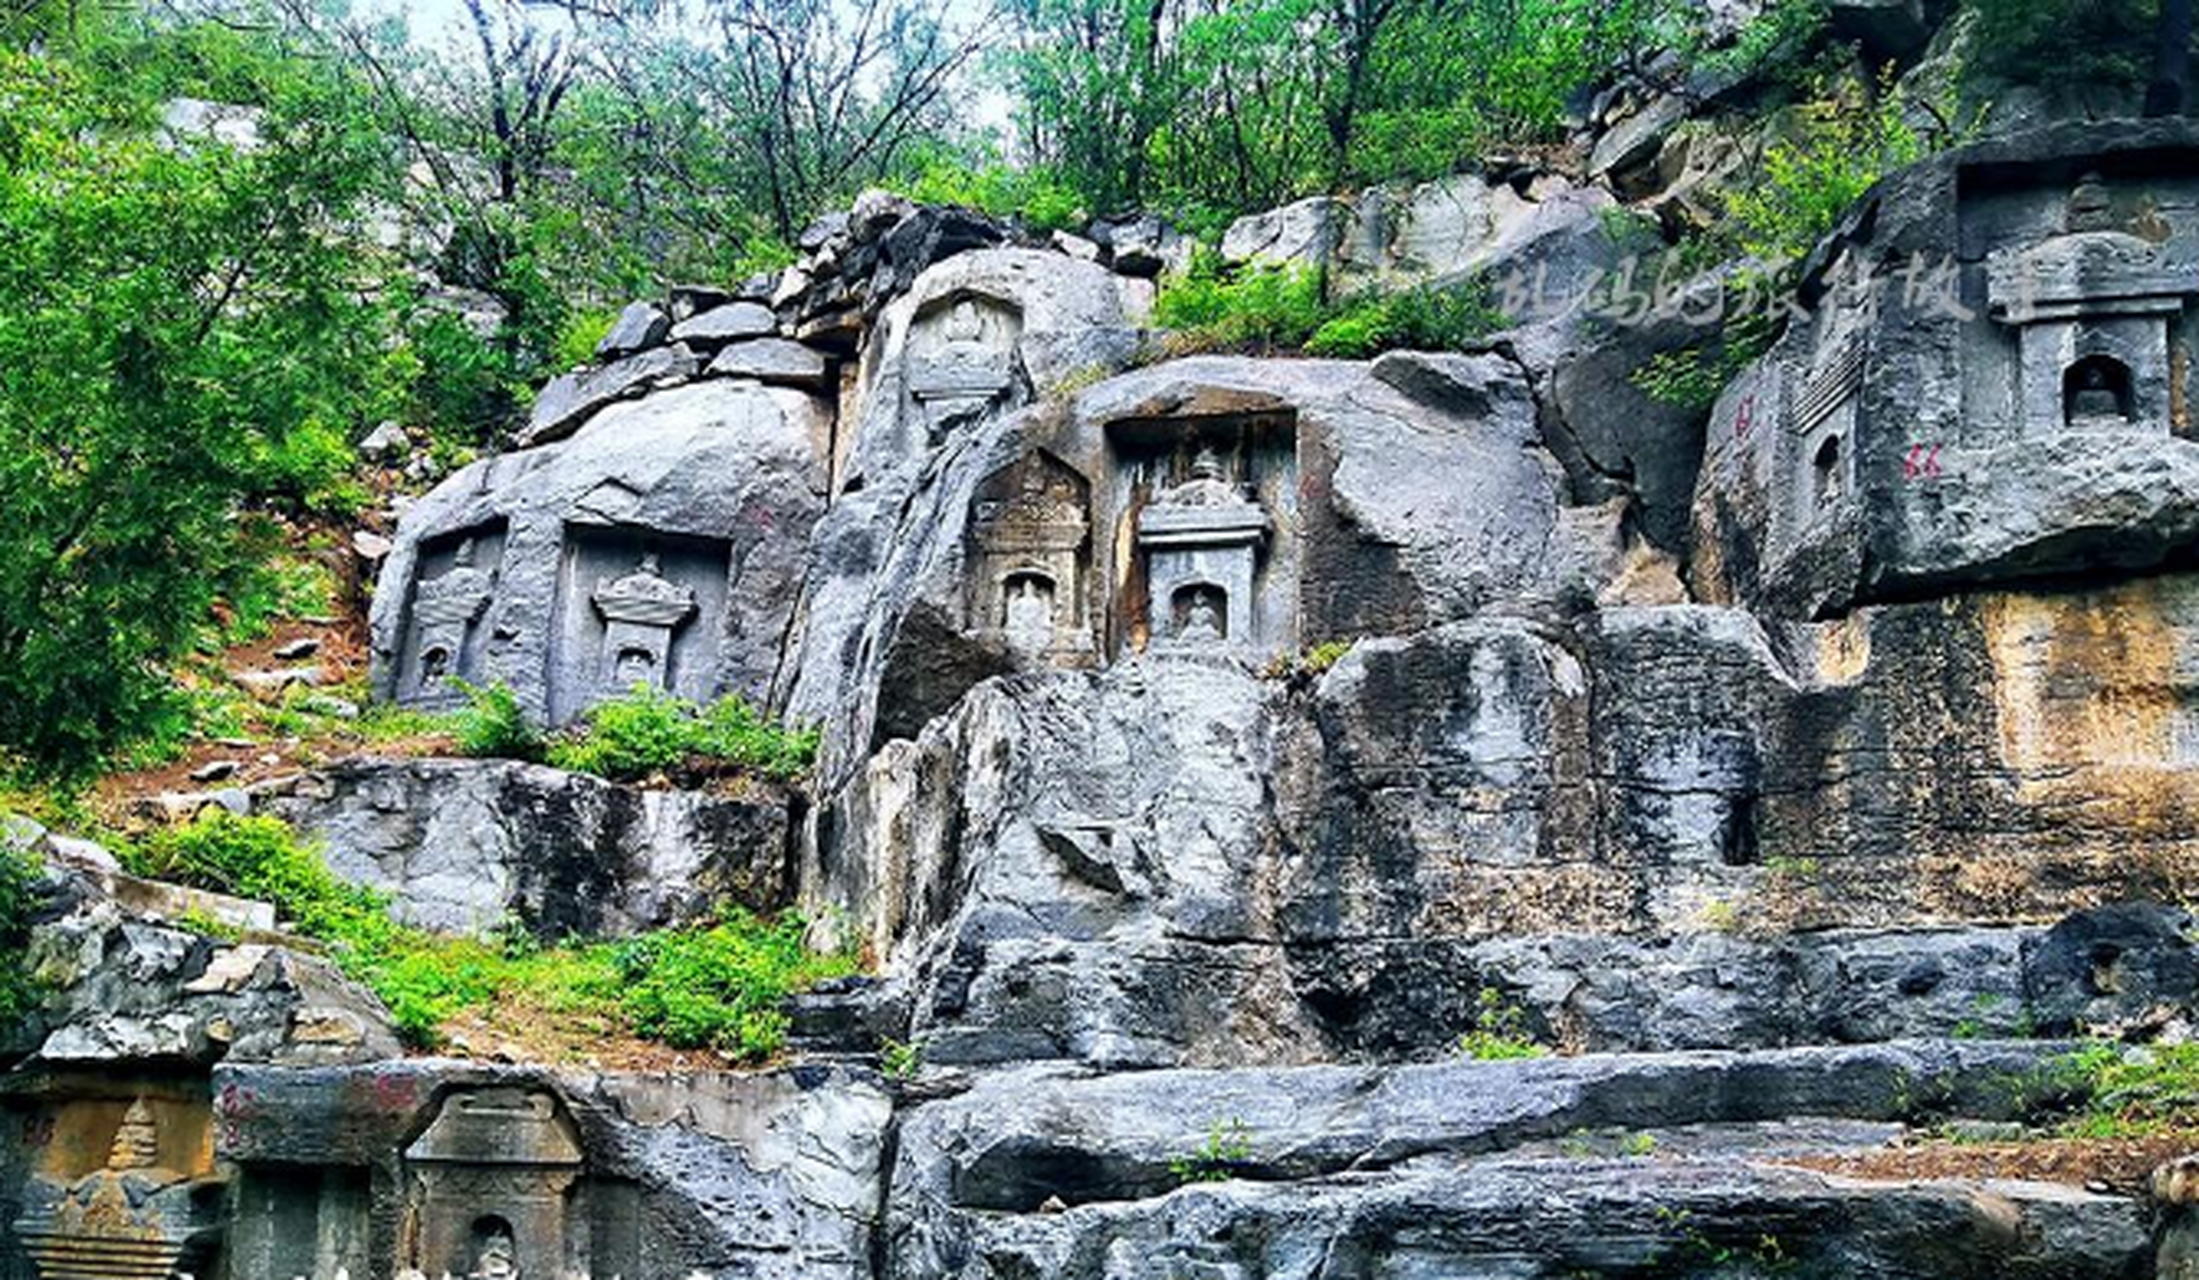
column 900, row 1060
column 1843, row 143
column 583, row 332
column 1225, row 1149
column 1421, row 318
column 493, row 724
column 1036, row 194
column 649, row 731
column 180, row 336
column 19, row 900
column 1500, row 1031
column 1241, row 104
column 261, row 858
column 1263, row 304
column 1325, row 655
column 720, row 986
column 716, row 986
column 1775, row 42
column 1693, row 377
column 1639, row 1146
column 269, row 592
column 1213, row 306
column 1690, row 1249
column 2125, row 1092
column 2063, row 44
column 644, row 732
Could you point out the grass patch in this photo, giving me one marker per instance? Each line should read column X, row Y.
column 648, row 732
column 711, row 986
column 1212, row 306
column 2125, row 1092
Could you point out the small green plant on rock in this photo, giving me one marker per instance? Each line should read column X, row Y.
column 2117, row 1091
column 1224, row 1151
column 900, row 1059
column 1308, row 663
column 649, row 731
column 494, row 725
column 1500, row 1031
column 1212, row 307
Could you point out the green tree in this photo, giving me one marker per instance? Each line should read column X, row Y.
column 184, row 339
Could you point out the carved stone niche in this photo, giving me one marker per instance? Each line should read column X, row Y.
column 150, row 1208
column 446, row 638
column 2091, row 309
column 1202, row 540
column 1030, row 541
column 960, row 360
column 490, row 1189
column 637, row 609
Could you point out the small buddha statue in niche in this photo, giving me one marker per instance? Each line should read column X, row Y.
column 634, row 666
column 495, row 1256
column 2091, row 206
column 2094, row 399
column 1201, row 624
column 1030, row 614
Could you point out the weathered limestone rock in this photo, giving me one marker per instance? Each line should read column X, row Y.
column 571, row 399
column 1304, row 233
column 730, row 322
column 1322, row 1164
column 640, row 326
column 1989, row 388
column 773, row 360
column 661, row 545
column 463, row 845
column 130, row 992
column 1381, row 510
column 1085, row 865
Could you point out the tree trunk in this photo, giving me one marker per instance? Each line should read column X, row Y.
column 2171, row 59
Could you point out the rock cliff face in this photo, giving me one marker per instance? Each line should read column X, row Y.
column 1211, row 744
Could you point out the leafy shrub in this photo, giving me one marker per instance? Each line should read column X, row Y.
column 1261, row 303
column 1694, row 376
column 1425, row 317
column 583, row 332
column 1500, row 1031
column 644, row 732
column 1036, row 194
column 1776, row 43
column 279, row 589
column 1272, row 305
column 1225, row 1148
column 2123, row 1093
column 649, row 731
column 1844, row 143
column 19, row 899
column 719, row 987
column 261, row 858
column 900, row 1059
column 494, row 725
